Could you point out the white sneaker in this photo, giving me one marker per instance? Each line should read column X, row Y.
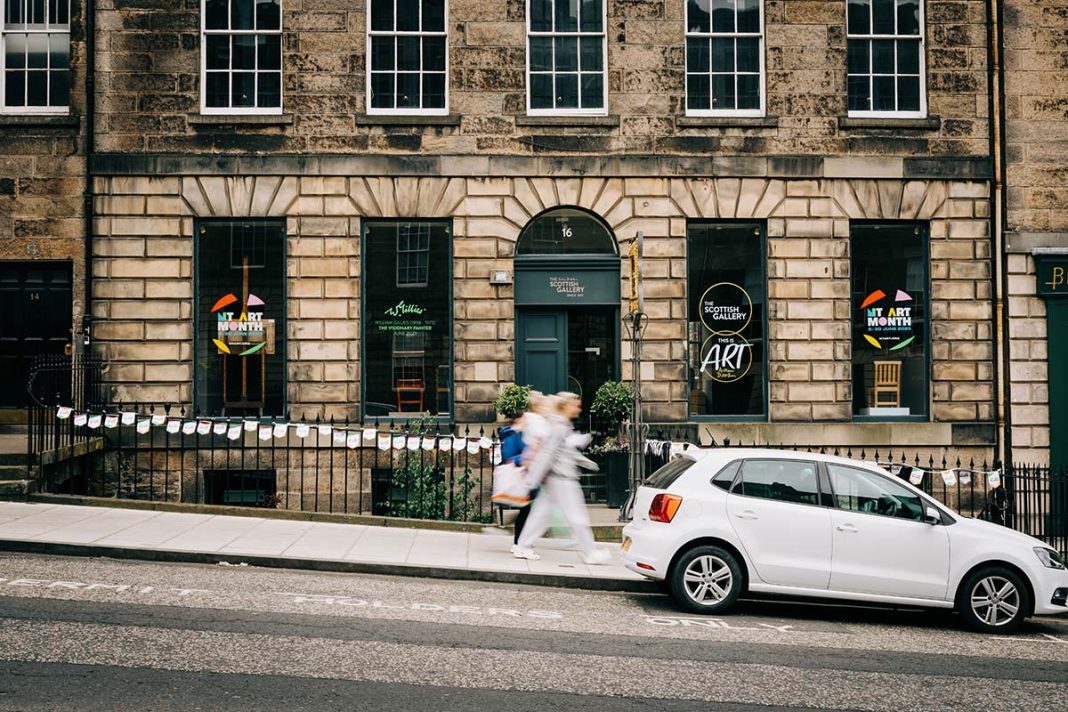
column 597, row 556
column 515, row 547
column 521, row 553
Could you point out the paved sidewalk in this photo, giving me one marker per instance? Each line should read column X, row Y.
column 204, row 538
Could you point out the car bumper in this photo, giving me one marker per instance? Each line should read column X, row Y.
column 650, row 549
column 1051, row 592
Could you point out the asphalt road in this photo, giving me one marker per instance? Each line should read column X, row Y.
column 97, row 634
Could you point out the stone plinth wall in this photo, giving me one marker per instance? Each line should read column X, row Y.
column 144, row 268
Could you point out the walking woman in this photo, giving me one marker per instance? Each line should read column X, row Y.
column 554, row 466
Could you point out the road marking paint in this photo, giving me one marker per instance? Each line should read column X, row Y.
column 715, row 623
column 1049, row 639
column 354, row 602
column 84, row 586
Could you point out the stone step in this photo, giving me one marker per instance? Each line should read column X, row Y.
column 13, row 489
column 14, row 428
column 14, row 471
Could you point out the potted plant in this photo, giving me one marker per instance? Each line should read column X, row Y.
column 512, row 401
column 611, row 405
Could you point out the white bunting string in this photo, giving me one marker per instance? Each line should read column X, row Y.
column 346, row 436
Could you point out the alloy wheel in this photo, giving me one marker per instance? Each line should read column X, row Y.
column 708, row 580
column 995, row 600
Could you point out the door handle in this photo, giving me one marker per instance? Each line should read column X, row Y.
column 747, row 514
column 846, row 528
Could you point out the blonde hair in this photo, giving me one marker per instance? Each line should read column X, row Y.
column 563, row 399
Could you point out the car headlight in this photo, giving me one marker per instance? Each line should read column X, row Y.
column 1049, row 558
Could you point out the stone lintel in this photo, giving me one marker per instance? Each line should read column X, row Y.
column 1033, row 242
column 980, row 168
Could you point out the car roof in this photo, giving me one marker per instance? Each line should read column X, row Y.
column 726, row 454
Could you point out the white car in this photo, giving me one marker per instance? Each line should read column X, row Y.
column 714, row 524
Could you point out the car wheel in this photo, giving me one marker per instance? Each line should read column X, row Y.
column 706, row 579
column 993, row 600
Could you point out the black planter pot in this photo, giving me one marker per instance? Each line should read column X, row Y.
column 617, row 478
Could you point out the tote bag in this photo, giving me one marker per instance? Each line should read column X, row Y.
column 510, row 485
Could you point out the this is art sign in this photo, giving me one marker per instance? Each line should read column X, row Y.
column 726, row 311
column 888, row 322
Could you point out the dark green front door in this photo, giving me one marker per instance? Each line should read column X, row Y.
column 1057, row 323
column 542, row 337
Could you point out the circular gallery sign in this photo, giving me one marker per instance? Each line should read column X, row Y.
column 726, row 308
column 726, row 357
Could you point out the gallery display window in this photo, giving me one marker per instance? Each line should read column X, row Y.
column 890, row 319
column 727, row 322
column 240, row 317
column 407, row 318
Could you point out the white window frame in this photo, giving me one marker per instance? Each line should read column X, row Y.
column 759, row 35
column 921, row 39
column 48, row 29
column 239, row 110
column 603, row 111
column 407, row 111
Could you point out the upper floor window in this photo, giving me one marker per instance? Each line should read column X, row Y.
column 725, row 57
column 241, row 57
column 885, row 59
column 409, row 57
column 35, row 56
column 566, row 69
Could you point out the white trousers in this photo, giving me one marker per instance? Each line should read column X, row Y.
column 566, row 494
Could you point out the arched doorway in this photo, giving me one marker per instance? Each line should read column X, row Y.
column 567, row 303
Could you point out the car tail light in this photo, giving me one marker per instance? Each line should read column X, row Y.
column 664, row 507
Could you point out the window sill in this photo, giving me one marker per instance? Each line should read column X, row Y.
column 408, row 120
column 576, row 121
column 37, row 120
column 727, row 122
column 931, row 123
column 240, row 120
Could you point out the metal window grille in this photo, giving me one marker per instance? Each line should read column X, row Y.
column 35, row 56
column 566, row 48
column 241, row 57
column 725, row 57
column 408, row 43
column 885, row 58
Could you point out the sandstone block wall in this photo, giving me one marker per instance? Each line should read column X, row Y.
column 150, row 62
column 144, row 279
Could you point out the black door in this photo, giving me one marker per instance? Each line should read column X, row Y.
column 35, row 318
column 592, row 340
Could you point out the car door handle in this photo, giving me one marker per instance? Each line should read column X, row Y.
column 846, row 528
column 747, row 514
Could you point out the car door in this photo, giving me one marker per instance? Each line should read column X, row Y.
column 775, row 509
column 882, row 545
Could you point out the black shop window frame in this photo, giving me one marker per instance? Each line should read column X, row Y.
column 373, row 414
column 762, row 227
column 925, row 235
column 281, row 333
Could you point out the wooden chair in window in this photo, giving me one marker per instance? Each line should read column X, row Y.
column 886, row 390
column 411, row 391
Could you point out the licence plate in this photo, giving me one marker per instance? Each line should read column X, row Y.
column 626, row 543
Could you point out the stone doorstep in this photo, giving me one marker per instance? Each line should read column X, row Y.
column 602, row 532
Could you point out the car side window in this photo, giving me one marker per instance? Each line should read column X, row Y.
column 857, row 490
column 725, row 477
column 784, row 480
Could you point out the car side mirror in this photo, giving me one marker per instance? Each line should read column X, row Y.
column 932, row 516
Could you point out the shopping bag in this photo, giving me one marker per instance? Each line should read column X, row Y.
column 510, row 485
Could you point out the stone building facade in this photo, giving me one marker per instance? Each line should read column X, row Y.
column 1036, row 222
column 806, row 173
column 42, row 225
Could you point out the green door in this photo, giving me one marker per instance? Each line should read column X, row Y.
column 1057, row 323
column 542, row 337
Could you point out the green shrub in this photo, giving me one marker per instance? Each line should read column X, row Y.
column 512, row 401
column 612, row 403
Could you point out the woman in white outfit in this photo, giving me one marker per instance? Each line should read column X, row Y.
column 555, row 466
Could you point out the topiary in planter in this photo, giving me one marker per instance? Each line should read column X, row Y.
column 512, row 401
column 612, row 404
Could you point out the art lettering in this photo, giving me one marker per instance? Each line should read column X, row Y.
column 726, row 358
column 402, row 308
column 888, row 323
column 240, row 333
